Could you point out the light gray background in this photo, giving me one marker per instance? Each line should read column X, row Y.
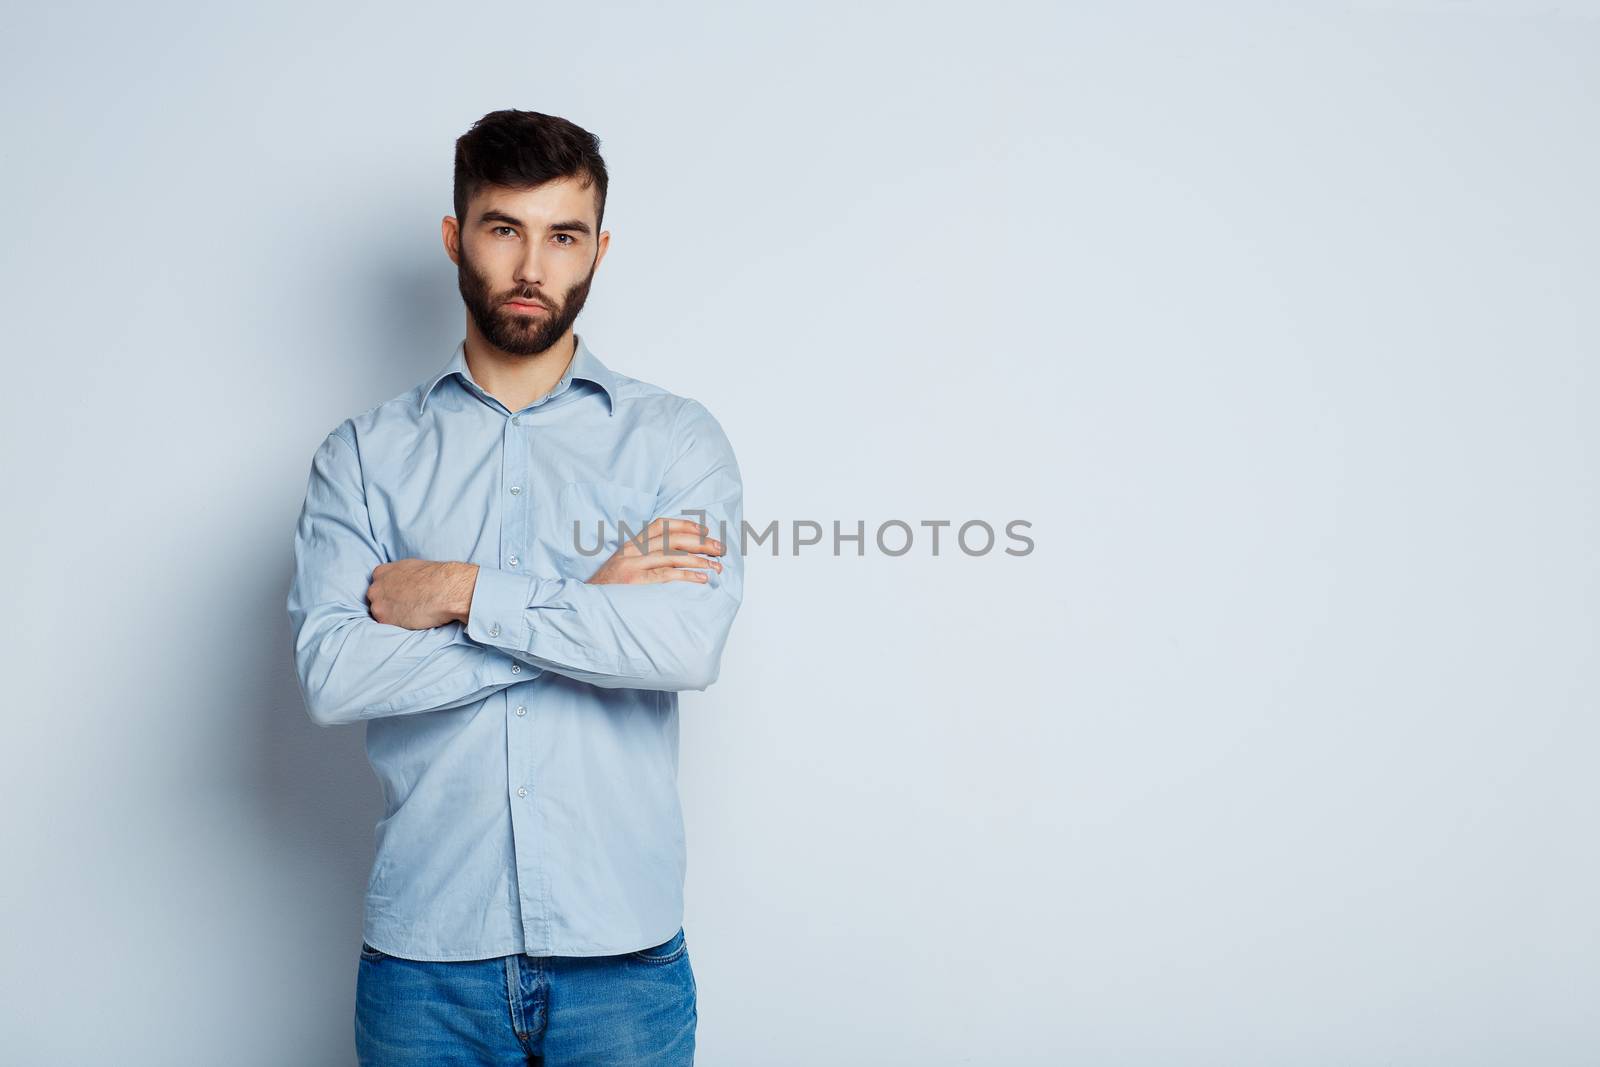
column 1276, row 321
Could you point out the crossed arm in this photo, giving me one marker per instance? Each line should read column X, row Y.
column 630, row 632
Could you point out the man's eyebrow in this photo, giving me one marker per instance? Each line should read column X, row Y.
column 574, row 225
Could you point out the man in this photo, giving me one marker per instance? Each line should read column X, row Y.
column 509, row 573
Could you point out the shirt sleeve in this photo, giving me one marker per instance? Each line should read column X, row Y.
column 661, row 635
column 350, row 666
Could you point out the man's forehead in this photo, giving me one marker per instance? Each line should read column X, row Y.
column 562, row 196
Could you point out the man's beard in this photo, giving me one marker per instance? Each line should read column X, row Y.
column 513, row 331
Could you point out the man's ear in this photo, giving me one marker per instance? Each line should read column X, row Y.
column 450, row 233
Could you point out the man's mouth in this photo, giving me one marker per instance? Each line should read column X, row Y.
column 522, row 308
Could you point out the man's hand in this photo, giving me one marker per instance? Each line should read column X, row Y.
column 420, row 594
column 672, row 550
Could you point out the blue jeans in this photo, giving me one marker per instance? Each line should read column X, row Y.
column 637, row 1008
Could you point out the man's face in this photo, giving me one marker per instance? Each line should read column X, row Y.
column 525, row 262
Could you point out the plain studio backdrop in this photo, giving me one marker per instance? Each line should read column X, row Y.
column 1276, row 322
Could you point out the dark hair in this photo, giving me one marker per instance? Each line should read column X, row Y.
column 520, row 149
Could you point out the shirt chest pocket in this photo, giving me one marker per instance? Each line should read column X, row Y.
column 593, row 519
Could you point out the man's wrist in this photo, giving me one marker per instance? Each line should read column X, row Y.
column 463, row 580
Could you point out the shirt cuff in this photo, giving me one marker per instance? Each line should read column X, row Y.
column 499, row 608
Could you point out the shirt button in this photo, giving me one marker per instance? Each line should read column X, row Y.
column 516, row 668
column 494, row 631
column 512, row 561
column 522, row 709
column 516, row 420
column 521, row 792
column 515, row 489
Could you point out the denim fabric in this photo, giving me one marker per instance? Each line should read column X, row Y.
column 635, row 1009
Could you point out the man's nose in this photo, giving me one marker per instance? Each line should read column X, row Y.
column 530, row 268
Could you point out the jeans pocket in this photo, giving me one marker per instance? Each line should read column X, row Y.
column 370, row 953
column 666, row 952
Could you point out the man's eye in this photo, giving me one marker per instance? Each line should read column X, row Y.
column 497, row 229
column 569, row 238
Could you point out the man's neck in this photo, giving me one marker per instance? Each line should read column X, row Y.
column 517, row 381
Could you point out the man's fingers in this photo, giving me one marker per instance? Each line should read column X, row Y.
column 684, row 559
column 682, row 545
column 673, row 572
column 685, row 534
column 680, row 535
column 661, row 525
column 666, row 550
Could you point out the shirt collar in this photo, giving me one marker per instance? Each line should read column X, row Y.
column 585, row 364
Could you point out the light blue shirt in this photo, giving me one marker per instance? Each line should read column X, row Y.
column 528, row 759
